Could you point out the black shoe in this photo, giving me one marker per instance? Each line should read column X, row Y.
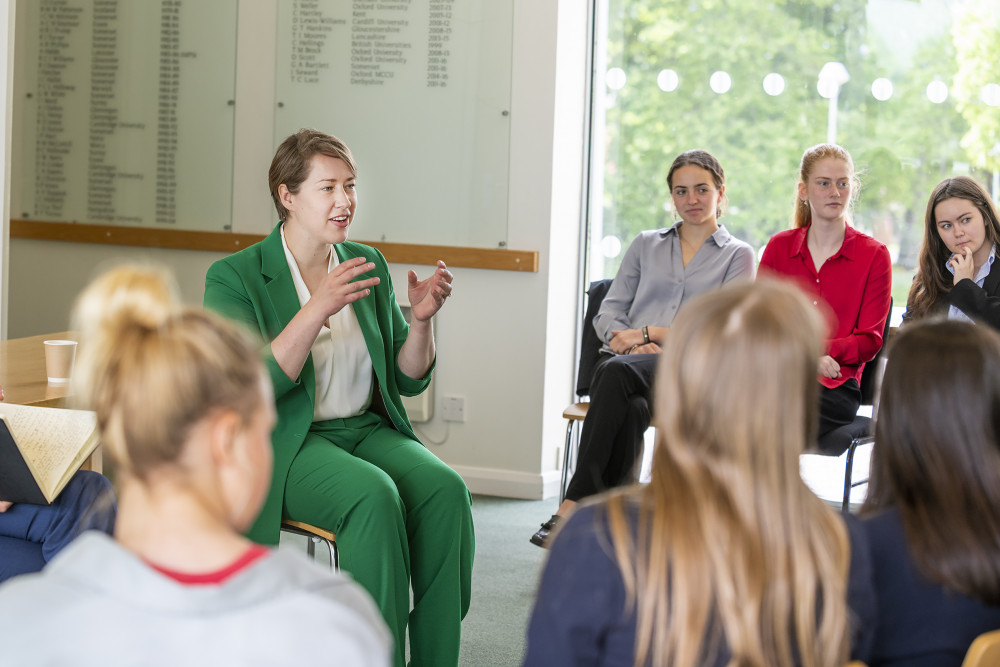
column 543, row 537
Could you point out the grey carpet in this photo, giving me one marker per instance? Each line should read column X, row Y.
column 503, row 579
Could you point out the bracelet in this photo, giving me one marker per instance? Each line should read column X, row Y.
column 645, row 335
column 632, row 349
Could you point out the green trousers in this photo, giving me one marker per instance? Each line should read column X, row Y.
column 402, row 518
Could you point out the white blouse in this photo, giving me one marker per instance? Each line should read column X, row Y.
column 340, row 356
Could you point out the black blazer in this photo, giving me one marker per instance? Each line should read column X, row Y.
column 981, row 304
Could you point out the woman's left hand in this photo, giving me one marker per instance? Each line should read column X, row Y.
column 427, row 296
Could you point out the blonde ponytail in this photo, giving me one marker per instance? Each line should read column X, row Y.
column 151, row 368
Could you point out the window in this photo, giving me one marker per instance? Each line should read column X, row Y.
column 909, row 87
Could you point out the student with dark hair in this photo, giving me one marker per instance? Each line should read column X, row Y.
column 184, row 411
column 725, row 557
column 846, row 273
column 932, row 513
column 661, row 270
column 957, row 273
column 341, row 356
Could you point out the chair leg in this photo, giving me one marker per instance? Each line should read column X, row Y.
column 848, row 474
column 567, row 453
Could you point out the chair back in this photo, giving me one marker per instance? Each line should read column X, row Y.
column 984, row 651
column 871, row 373
column 590, row 344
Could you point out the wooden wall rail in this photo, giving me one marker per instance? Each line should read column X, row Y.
column 158, row 237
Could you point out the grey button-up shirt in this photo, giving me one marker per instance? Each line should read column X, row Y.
column 652, row 282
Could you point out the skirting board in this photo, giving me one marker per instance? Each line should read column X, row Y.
column 509, row 483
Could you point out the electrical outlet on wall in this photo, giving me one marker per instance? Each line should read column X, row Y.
column 453, row 409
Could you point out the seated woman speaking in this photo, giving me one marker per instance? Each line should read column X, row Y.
column 340, row 356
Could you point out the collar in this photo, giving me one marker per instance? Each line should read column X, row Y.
column 721, row 235
column 983, row 271
column 798, row 245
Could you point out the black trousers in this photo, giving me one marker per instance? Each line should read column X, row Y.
column 838, row 406
column 619, row 414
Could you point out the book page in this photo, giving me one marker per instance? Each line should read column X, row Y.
column 54, row 442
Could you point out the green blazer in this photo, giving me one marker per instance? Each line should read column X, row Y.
column 254, row 287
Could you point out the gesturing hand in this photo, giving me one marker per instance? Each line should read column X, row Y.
column 337, row 290
column 964, row 265
column 427, row 296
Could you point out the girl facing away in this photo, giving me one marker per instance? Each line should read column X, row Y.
column 932, row 514
column 185, row 411
column 725, row 557
column 847, row 274
column 956, row 275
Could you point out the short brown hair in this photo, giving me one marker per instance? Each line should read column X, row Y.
column 290, row 165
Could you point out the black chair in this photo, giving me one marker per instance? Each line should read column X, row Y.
column 851, row 436
column 590, row 349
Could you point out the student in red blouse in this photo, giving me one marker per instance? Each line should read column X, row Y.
column 847, row 274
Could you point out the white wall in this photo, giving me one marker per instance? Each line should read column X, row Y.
column 505, row 339
column 6, row 95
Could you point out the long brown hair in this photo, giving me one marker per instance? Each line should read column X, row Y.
column 937, row 457
column 933, row 280
column 731, row 547
column 812, row 155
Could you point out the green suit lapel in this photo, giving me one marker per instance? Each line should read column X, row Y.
column 284, row 300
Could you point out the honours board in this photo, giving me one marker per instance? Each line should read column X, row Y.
column 420, row 92
column 124, row 112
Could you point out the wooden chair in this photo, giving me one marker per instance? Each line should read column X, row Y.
column 590, row 349
column 984, row 651
column 856, row 663
column 313, row 536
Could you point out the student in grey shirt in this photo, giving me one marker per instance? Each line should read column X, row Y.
column 660, row 271
column 185, row 411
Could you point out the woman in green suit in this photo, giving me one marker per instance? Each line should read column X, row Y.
column 340, row 356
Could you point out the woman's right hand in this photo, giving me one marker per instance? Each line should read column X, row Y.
column 623, row 341
column 964, row 265
column 337, row 289
column 828, row 367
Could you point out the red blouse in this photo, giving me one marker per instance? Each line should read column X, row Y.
column 853, row 285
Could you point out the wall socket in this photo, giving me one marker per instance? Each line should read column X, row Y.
column 453, row 409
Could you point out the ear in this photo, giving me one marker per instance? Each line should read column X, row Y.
column 286, row 197
column 223, row 432
column 802, row 192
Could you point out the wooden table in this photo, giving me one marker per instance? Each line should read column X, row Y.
column 22, row 371
column 24, row 381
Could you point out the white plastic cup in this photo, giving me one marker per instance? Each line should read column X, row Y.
column 59, row 358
